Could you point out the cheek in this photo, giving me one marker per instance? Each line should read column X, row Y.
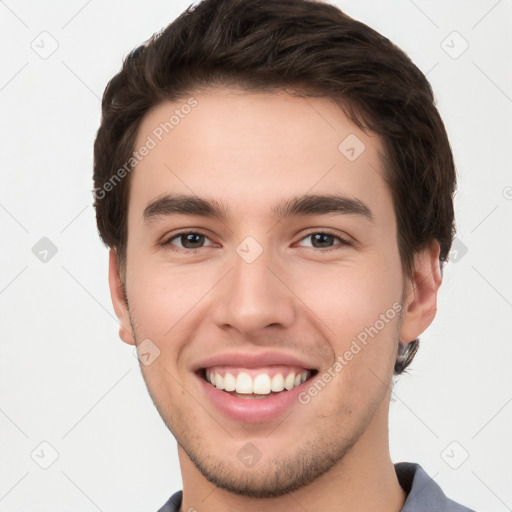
column 351, row 298
column 161, row 298
column 359, row 311
column 359, row 308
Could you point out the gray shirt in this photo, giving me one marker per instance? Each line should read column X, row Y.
column 423, row 494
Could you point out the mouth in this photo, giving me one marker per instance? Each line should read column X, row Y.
column 256, row 383
column 249, row 387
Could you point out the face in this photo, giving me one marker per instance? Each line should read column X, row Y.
column 268, row 320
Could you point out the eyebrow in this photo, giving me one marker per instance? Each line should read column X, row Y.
column 181, row 204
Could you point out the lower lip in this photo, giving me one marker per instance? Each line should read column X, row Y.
column 252, row 410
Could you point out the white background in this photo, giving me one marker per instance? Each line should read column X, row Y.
column 67, row 379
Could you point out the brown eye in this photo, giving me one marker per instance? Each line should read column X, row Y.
column 191, row 241
column 321, row 240
column 187, row 241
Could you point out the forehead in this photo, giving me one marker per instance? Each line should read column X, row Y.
column 250, row 151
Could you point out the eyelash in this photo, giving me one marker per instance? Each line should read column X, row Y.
column 169, row 245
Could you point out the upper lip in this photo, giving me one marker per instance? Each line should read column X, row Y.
column 252, row 360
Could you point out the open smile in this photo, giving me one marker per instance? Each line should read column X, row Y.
column 254, row 394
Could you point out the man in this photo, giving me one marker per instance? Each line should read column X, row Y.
column 275, row 185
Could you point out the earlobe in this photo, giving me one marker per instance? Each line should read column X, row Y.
column 420, row 304
column 119, row 300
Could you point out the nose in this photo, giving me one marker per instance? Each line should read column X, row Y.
column 254, row 296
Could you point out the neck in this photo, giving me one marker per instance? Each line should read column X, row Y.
column 364, row 479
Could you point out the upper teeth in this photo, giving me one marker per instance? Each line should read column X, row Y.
column 261, row 384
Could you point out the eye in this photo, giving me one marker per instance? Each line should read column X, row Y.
column 189, row 241
column 323, row 239
column 192, row 241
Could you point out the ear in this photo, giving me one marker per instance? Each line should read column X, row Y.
column 119, row 300
column 420, row 302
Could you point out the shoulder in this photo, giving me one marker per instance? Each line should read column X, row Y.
column 423, row 493
column 173, row 504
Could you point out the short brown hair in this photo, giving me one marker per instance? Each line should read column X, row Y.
column 308, row 47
